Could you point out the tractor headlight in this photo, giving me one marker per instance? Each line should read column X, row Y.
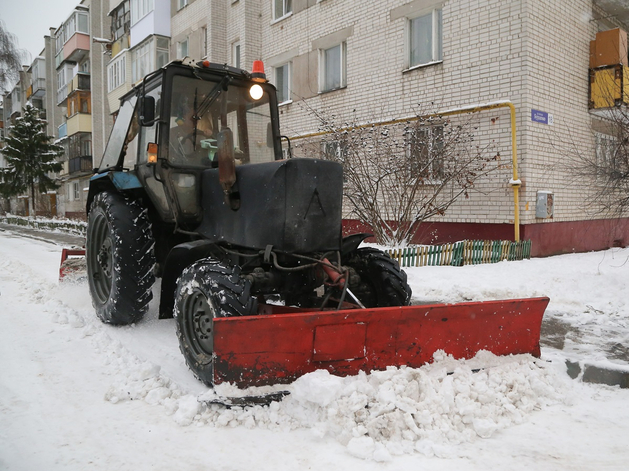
column 256, row 91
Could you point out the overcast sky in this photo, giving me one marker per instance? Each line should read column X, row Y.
column 31, row 20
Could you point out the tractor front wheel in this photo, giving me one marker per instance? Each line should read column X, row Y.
column 208, row 289
column 120, row 258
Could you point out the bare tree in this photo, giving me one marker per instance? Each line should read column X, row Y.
column 400, row 173
column 10, row 59
column 604, row 171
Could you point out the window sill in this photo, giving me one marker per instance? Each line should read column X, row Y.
column 282, row 18
column 422, row 66
column 284, row 103
column 323, row 92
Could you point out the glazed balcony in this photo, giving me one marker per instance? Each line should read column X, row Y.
column 82, row 164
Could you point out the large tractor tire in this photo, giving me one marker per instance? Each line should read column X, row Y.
column 382, row 282
column 120, row 258
column 208, row 289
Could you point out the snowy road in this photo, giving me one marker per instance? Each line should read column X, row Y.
column 76, row 394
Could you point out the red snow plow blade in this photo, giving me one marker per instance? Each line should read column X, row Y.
column 284, row 345
column 69, row 263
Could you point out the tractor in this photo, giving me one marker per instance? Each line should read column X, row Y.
column 196, row 187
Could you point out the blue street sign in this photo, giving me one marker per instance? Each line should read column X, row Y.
column 541, row 117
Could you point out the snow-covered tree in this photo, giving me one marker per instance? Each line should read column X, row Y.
column 30, row 158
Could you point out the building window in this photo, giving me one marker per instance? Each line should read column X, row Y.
column 425, row 39
column 163, row 54
column 607, row 153
column 142, row 63
column 282, row 82
column 424, row 151
column 333, row 62
column 75, row 192
column 204, row 42
column 181, row 4
column 78, row 102
column 116, row 73
column 140, row 8
column 335, row 150
column 236, row 54
column 182, row 48
column 282, row 8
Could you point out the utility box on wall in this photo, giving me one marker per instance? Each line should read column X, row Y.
column 544, row 207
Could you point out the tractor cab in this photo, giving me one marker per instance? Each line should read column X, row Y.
column 186, row 118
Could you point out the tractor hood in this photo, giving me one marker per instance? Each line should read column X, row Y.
column 293, row 205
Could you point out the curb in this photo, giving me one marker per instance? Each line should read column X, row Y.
column 596, row 374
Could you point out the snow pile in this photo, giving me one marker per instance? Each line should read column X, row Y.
column 408, row 410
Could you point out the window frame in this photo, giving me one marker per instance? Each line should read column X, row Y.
column 323, row 68
column 436, row 39
column 289, row 72
column 431, row 176
column 236, row 54
column 181, row 4
column 180, row 47
column 286, row 7
column 116, row 73
column 140, row 9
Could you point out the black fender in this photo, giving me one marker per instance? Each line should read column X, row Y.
column 180, row 257
column 351, row 243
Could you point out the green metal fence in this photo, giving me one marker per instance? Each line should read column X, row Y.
column 467, row 252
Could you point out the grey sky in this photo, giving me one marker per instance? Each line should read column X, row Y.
column 30, row 20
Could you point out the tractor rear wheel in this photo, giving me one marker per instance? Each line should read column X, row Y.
column 382, row 282
column 120, row 258
column 208, row 289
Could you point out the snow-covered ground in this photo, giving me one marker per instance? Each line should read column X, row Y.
column 76, row 394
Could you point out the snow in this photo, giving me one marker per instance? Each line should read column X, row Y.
column 78, row 394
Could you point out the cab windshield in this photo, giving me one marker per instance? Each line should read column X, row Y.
column 201, row 109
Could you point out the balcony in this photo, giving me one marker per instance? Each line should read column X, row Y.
column 38, row 87
column 609, row 72
column 79, row 123
column 609, row 86
column 77, row 47
column 81, row 81
column 82, row 164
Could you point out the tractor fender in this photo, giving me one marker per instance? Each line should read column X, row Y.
column 180, row 257
column 351, row 243
column 112, row 181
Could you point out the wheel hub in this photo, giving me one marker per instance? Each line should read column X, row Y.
column 201, row 324
column 104, row 258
